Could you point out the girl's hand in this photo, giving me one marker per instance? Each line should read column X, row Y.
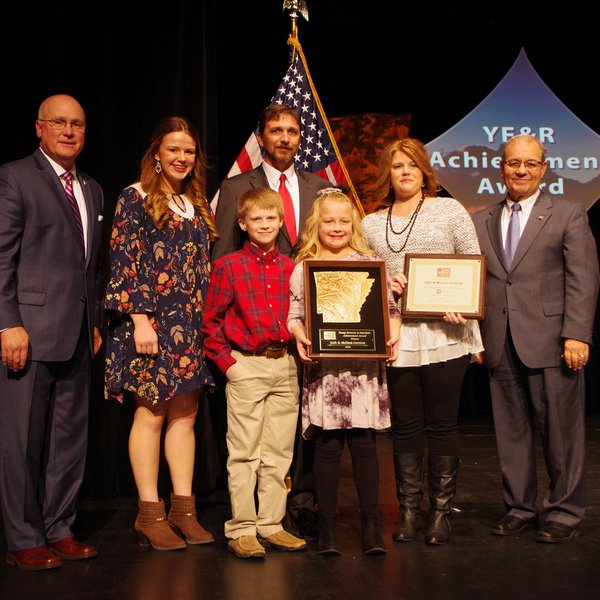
column 144, row 336
column 398, row 283
column 455, row 318
column 302, row 343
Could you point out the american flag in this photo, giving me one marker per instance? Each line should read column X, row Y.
column 318, row 152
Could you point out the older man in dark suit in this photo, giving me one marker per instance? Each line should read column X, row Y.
column 50, row 235
column 279, row 139
column 542, row 286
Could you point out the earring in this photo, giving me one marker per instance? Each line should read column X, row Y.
column 157, row 167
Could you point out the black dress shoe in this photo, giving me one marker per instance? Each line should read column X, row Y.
column 555, row 532
column 510, row 525
column 306, row 525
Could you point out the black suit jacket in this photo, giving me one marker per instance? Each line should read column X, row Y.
column 232, row 237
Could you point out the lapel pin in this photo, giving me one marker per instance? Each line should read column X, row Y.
column 541, row 217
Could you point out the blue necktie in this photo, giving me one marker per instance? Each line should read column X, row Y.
column 513, row 234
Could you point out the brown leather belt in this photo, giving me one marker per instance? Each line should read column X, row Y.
column 272, row 351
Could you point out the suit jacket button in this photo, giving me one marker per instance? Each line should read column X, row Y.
column 504, row 310
column 82, row 298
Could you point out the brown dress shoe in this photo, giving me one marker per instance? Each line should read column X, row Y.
column 70, row 549
column 33, row 559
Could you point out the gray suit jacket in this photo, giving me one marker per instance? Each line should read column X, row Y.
column 232, row 237
column 549, row 293
column 47, row 284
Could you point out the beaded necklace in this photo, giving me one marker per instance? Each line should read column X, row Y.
column 409, row 225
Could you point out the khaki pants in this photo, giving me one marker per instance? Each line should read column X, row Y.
column 262, row 411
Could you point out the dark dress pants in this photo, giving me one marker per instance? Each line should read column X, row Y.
column 552, row 401
column 43, row 441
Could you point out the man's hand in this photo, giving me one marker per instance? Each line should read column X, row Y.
column 15, row 348
column 576, row 354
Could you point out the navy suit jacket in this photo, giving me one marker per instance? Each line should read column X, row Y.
column 232, row 237
column 47, row 284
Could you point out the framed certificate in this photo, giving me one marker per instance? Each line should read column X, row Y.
column 346, row 308
column 440, row 283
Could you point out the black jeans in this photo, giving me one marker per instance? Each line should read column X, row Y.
column 425, row 403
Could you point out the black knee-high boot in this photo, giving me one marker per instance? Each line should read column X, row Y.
column 409, row 490
column 443, row 471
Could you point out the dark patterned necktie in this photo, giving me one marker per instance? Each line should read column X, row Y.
column 68, row 179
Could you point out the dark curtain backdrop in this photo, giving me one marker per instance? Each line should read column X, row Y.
column 218, row 63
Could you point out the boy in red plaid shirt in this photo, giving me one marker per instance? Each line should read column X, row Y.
column 246, row 337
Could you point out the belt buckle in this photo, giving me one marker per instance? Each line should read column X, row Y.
column 275, row 352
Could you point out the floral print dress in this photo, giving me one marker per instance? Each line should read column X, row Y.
column 165, row 273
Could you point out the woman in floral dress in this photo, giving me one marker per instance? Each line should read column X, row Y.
column 159, row 272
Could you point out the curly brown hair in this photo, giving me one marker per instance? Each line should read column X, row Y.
column 194, row 185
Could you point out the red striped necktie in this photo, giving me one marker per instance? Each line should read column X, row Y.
column 68, row 179
column 289, row 216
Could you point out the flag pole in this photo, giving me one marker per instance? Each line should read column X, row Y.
column 295, row 7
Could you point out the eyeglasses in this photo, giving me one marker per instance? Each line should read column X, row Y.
column 530, row 165
column 62, row 123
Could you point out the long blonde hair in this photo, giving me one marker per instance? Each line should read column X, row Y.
column 157, row 201
column 310, row 245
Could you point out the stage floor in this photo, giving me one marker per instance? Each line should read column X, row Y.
column 476, row 565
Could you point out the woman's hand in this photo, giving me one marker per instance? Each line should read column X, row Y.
column 393, row 341
column 144, row 335
column 398, row 283
column 302, row 342
column 455, row 318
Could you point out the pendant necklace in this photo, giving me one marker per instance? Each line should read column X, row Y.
column 179, row 202
column 409, row 225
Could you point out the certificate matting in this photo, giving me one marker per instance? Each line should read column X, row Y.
column 346, row 309
column 440, row 283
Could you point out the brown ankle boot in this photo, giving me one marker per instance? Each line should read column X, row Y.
column 182, row 516
column 153, row 529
